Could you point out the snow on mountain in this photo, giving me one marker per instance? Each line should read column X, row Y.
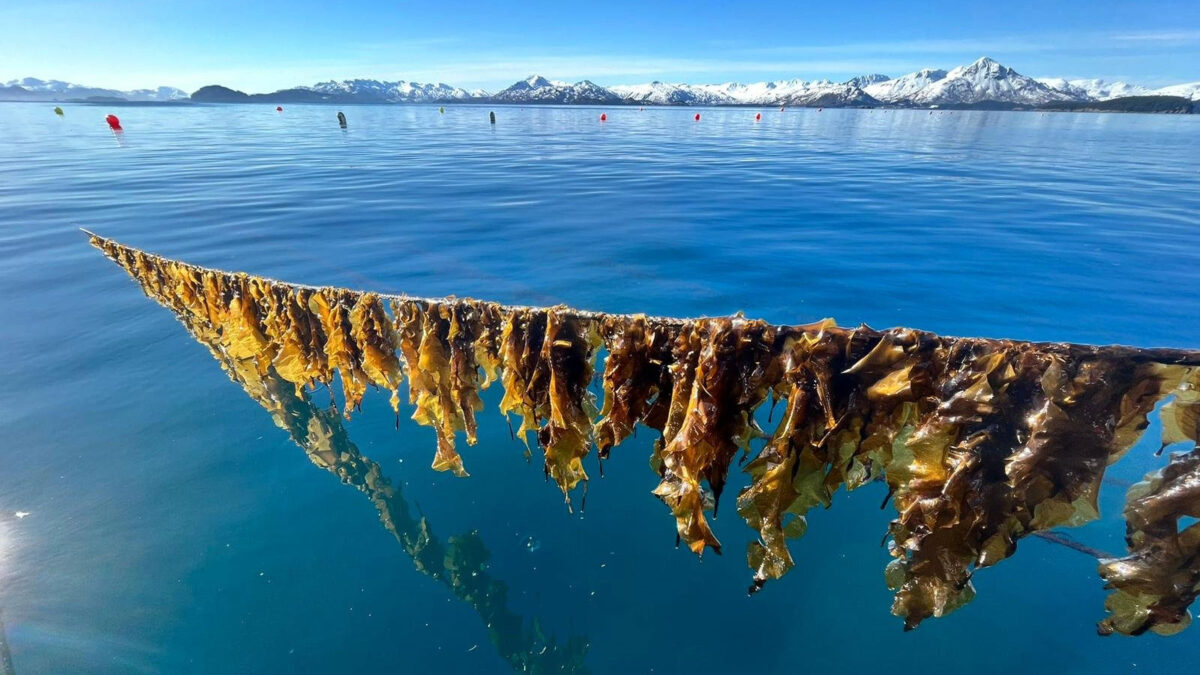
column 904, row 88
column 782, row 92
column 793, row 92
column 983, row 81
column 33, row 89
column 1190, row 90
column 537, row 89
column 662, row 93
column 987, row 80
column 157, row 94
column 59, row 90
column 832, row 95
column 864, row 81
column 1094, row 90
column 762, row 93
column 400, row 91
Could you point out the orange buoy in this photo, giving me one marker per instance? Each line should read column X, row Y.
column 697, row 117
column 278, row 108
column 113, row 122
column 603, row 117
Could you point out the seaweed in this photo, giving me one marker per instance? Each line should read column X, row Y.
column 460, row 563
column 981, row 442
column 1160, row 578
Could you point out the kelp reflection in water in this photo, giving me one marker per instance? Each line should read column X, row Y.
column 460, row 564
column 981, row 441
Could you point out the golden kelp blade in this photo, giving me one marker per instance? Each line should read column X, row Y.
column 981, row 442
column 460, row 564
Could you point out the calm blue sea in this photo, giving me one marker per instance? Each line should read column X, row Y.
column 153, row 518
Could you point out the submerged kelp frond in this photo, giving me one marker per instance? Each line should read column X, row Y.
column 981, row 442
column 461, row 564
column 1159, row 579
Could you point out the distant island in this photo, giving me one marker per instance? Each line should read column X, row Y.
column 982, row 85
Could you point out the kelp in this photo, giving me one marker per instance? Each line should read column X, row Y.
column 460, row 563
column 1160, row 578
column 981, row 442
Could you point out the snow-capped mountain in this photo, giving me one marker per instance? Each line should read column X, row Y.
column 798, row 93
column 156, row 94
column 33, row 89
column 987, row 80
column 826, row 94
column 400, row 91
column 754, row 93
column 904, row 88
column 782, row 92
column 1094, row 90
column 662, row 93
column 984, row 81
column 864, row 81
column 981, row 83
column 1190, row 90
column 794, row 92
column 537, row 89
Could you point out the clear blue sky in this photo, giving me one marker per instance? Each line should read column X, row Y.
column 269, row 44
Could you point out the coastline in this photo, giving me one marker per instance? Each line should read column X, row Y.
column 1138, row 105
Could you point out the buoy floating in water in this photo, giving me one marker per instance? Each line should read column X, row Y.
column 113, row 122
column 442, row 110
column 492, row 117
column 603, row 117
column 757, row 116
column 278, row 108
column 341, row 119
column 58, row 111
column 697, row 117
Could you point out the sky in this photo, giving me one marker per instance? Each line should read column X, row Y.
column 267, row 45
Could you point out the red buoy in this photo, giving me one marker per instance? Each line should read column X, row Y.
column 697, row 117
column 278, row 108
column 603, row 117
column 757, row 117
column 113, row 122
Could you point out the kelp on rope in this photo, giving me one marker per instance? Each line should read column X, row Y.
column 980, row 441
column 460, row 563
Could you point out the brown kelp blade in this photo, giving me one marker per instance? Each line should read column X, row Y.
column 980, row 441
column 460, row 563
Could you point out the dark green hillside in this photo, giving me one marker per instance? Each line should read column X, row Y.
column 1133, row 104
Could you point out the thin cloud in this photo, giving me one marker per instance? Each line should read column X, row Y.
column 923, row 47
column 1171, row 36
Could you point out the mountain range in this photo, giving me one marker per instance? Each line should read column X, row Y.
column 33, row 89
column 983, row 83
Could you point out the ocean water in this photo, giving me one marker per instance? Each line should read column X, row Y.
column 154, row 519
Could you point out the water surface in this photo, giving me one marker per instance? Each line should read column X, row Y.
column 173, row 527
